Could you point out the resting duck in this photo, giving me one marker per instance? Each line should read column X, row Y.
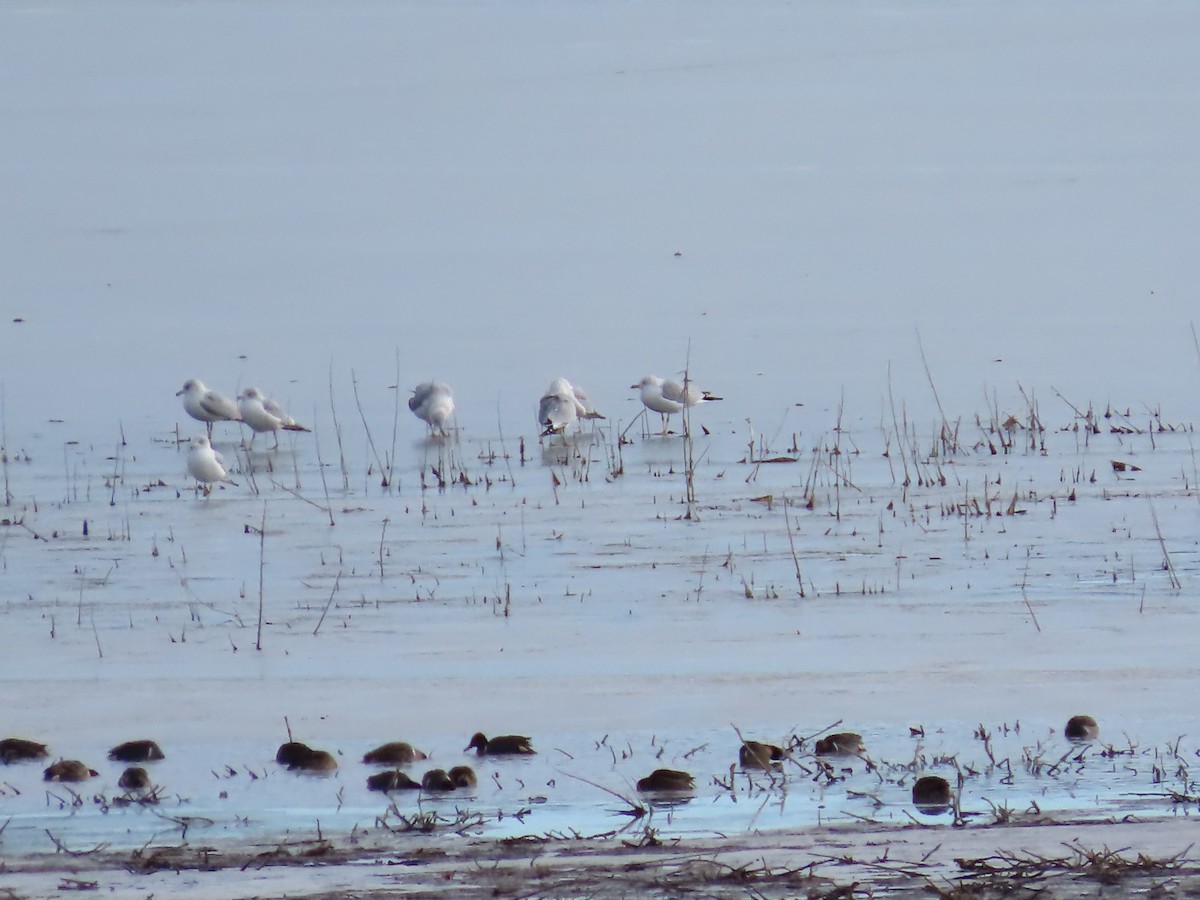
column 68, row 770
column 298, row 756
column 666, row 780
column 931, row 792
column 395, row 753
column 756, row 755
column 844, row 742
column 20, row 750
column 136, row 751
column 1081, row 728
column 437, row 780
column 391, row 780
column 135, row 778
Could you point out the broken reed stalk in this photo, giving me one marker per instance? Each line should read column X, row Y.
column 949, row 442
column 640, row 417
column 503, row 449
column 4, row 445
column 1168, row 566
column 837, row 451
column 689, row 460
column 966, row 510
column 328, row 603
column 899, row 436
column 1029, row 606
column 295, row 493
column 337, row 431
column 262, row 555
column 689, row 456
column 792, row 544
column 321, row 469
column 295, row 460
column 1025, row 584
column 79, row 608
column 383, row 472
column 112, row 497
column 636, row 810
column 382, row 532
column 395, row 420
column 248, row 467
column 1035, row 419
column 96, row 635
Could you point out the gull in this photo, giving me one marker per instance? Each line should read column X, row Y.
column 207, row 406
column 669, row 396
column 262, row 413
column 433, row 403
column 206, row 465
column 561, row 405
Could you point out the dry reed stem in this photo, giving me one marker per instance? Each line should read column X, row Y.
column 337, row 432
column 383, row 472
column 949, row 442
column 328, row 603
column 792, row 545
column 262, row 551
column 321, row 469
column 1168, row 566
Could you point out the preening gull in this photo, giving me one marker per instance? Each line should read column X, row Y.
column 206, row 465
column 433, row 403
column 561, row 405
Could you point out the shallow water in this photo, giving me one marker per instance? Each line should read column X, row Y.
column 325, row 223
column 594, row 616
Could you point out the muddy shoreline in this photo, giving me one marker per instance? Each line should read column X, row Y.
column 1059, row 858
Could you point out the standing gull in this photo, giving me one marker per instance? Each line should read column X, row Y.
column 262, row 413
column 669, row 396
column 206, row 465
column 206, row 405
column 433, row 403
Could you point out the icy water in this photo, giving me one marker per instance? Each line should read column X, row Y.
column 837, row 217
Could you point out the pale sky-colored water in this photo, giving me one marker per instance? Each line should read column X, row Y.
column 497, row 195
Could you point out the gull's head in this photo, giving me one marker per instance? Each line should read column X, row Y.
column 250, row 393
column 200, row 442
column 192, row 384
column 560, row 386
column 647, row 381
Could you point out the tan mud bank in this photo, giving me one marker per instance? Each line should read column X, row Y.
column 1056, row 859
